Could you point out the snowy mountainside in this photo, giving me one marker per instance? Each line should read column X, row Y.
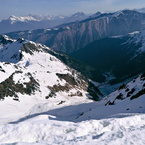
column 131, row 91
column 44, row 102
column 125, row 101
column 122, row 122
column 28, row 68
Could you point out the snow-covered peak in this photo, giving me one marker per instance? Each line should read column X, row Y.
column 12, row 50
column 15, row 19
column 4, row 39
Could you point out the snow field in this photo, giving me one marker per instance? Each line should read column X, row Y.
column 128, row 130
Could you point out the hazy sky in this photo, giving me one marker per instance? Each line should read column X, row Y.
column 57, row 7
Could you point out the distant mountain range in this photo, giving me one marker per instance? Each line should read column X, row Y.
column 73, row 36
column 31, row 22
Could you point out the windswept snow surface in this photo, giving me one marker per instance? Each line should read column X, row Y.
column 110, row 132
column 47, row 123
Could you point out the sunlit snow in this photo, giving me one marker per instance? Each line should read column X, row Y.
column 66, row 120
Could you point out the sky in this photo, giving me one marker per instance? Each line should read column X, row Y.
column 63, row 7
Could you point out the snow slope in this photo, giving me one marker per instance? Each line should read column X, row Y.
column 87, row 123
column 44, row 102
column 24, row 61
column 41, row 130
column 29, row 72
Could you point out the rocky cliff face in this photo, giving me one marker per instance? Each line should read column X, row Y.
column 77, row 35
